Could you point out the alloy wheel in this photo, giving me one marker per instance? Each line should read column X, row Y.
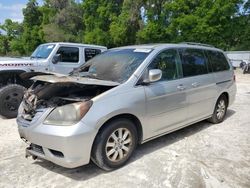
column 118, row 144
column 221, row 109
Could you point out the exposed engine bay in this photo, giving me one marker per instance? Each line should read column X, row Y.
column 50, row 95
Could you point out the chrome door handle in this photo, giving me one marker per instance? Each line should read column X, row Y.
column 181, row 87
column 195, row 84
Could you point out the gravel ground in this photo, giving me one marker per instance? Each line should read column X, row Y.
column 201, row 155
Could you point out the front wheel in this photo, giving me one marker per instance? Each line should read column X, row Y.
column 114, row 144
column 10, row 98
column 220, row 110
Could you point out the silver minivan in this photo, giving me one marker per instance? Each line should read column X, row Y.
column 121, row 98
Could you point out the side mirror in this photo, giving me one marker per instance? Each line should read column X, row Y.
column 56, row 58
column 153, row 76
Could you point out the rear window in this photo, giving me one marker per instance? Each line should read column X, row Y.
column 218, row 61
column 193, row 62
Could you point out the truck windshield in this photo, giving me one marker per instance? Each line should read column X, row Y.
column 114, row 65
column 43, row 51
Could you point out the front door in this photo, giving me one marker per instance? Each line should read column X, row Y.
column 70, row 58
column 166, row 101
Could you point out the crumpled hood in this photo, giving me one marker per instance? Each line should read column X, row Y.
column 60, row 78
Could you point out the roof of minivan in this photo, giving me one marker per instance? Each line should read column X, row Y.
column 166, row 45
column 77, row 44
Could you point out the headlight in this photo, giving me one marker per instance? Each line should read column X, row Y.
column 69, row 114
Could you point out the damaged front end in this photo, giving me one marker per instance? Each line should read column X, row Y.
column 69, row 98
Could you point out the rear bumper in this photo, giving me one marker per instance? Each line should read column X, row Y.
column 67, row 146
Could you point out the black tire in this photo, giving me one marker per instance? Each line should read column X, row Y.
column 244, row 70
column 10, row 98
column 242, row 65
column 100, row 149
column 219, row 118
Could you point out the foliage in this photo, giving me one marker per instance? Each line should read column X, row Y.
column 222, row 23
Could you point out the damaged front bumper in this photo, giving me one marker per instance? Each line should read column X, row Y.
column 67, row 146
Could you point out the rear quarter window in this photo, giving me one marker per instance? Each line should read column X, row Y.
column 90, row 53
column 218, row 61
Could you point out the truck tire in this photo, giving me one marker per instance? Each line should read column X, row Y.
column 10, row 98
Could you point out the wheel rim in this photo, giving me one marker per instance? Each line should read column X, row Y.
column 118, row 144
column 221, row 109
column 12, row 101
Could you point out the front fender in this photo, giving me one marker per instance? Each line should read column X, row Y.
column 106, row 107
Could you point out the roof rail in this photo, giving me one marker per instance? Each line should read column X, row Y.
column 196, row 43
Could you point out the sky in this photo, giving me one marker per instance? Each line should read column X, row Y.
column 12, row 9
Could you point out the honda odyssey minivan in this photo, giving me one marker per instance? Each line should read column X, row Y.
column 121, row 98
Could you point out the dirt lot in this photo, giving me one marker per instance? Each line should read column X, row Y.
column 202, row 155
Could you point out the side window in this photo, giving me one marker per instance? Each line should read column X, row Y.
column 167, row 62
column 193, row 62
column 90, row 53
column 69, row 54
column 218, row 61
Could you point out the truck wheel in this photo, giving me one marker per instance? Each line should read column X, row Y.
column 114, row 144
column 10, row 98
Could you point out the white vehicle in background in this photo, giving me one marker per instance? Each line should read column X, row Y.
column 237, row 57
column 50, row 57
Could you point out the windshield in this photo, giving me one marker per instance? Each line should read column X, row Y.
column 43, row 51
column 114, row 65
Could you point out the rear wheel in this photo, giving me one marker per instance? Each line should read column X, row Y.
column 115, row 144
column 10, row 98
column 220, row 110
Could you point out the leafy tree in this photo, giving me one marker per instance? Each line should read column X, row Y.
column 12, row 31
column 241, row 25
column 222, row 23
column 65, row 22
column 32, row 33
column 123, row 29
column 155, row 22
column 98, row 15
column 4, row 45
column 204, row 21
